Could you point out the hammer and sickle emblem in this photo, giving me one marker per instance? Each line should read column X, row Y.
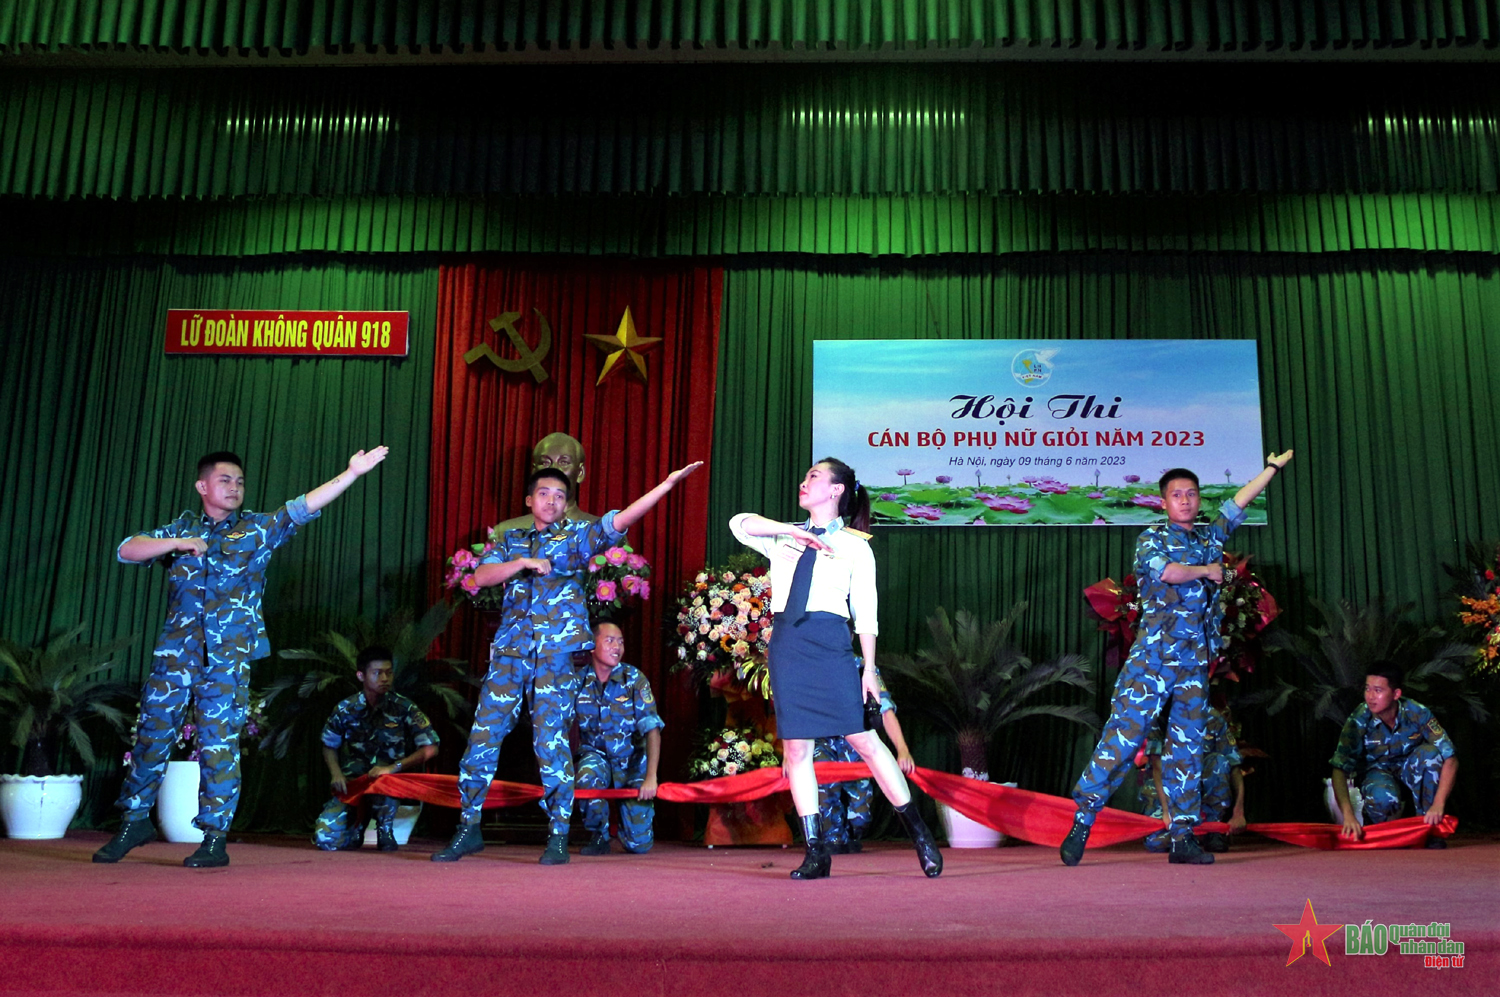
column 527, row 358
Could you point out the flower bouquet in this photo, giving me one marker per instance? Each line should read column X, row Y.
column 734, row 751
column 1246, row 608
column 1481, row 612
column 724, row 626
column 461, row 568
column 617, row 575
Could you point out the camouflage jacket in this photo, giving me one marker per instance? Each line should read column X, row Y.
column 547, row 614
column 611, row 716
column 1367, row 743
column 371, row 736
column 1188, row 612
column 221, row 591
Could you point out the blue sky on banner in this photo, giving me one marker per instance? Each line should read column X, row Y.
column 1036, row 432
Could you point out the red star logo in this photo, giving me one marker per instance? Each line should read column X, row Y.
column 1308, row 934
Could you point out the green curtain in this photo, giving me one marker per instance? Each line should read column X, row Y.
column 663, row 130
column 919, row 225
column 1305, row 28
column 1379, row 369
column 101, row 431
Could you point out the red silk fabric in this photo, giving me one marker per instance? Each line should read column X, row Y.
column 485, row 422
column 1019, row 813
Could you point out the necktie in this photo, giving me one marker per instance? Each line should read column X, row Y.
column 796, row 596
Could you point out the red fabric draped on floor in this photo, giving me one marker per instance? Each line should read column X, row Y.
column 1019, row 813
column 485, row 422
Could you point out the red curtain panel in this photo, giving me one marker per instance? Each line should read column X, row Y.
column 485, row 421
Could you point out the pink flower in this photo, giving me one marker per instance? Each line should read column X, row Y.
column 596, row 564
column 469, row 585
column 630, row 583
column 1131, row 479
column 616, row 555
column 923, row 512
column 889, row 497
column 943, row 479
column 606, row 591
column 1100, row 521
column 1149, row 501
column 463, row 559
column 1096, row 495
column 635, row 561
column 1011, row 503
column 643, row 589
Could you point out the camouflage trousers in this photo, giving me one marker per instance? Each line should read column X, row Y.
column 340, row 825
column 597, row 770
column 1419, row 773
column 550, row 684
column 220, row 690
column 1149, row 682
column 844, row 806
column 1216, row 794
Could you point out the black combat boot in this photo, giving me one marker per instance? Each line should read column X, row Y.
column 385, row 839
column 921, row 838
column 598, row 844
column 210, row 854
column 1186, row 851
column 816, row 864
column 466, row 841
column 130, row 834
column 557, row 850
column 1073, row 845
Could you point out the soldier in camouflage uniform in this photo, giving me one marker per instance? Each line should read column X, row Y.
column 544, row 623
column 216, row 572
column 1179, row 567
column 845, row 806
column 1221, row 788
column 372, row 728
column 1387, row 743
column 619, row 741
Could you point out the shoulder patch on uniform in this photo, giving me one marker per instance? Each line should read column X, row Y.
column 1434, row 728
column 857, row 533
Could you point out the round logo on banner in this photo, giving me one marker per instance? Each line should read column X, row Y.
column 1032, row 367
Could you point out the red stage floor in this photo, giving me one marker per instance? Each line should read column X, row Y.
column 286, row 919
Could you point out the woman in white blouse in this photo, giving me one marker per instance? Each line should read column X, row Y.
column 822, row 582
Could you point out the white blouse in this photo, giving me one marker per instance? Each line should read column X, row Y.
column 843, row 581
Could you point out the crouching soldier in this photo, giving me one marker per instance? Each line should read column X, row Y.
column 619, row 734
column 372, row 728
column 1387, row 743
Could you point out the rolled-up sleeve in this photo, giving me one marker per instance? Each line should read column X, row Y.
column 175, row 528
column 1229, row 519
column 762, row 545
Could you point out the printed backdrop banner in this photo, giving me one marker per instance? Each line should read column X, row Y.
column 1028, row 432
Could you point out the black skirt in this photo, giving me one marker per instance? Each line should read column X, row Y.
column 815, row 678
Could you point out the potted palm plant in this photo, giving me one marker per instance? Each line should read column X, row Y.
column 972, row 683
column 54, row 701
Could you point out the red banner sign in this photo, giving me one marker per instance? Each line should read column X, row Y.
column 283, row 333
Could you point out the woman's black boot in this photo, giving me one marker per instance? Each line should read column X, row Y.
column 921, row 837
column 817, row 862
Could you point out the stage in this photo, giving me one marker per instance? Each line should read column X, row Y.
column 285, row 919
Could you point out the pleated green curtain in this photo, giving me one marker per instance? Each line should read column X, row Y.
column 706, row 27
column 1379, row 369
column 100, row 432
column 737, row 226
column 664, row 130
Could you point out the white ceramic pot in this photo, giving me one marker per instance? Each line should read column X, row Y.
column 177, row 802
column 39, row 807
column 1356, row 800
column 406, row 819
column 964, row 832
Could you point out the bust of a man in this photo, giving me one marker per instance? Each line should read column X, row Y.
column 561, row 451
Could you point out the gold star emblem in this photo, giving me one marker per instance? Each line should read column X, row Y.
column 624, row 343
